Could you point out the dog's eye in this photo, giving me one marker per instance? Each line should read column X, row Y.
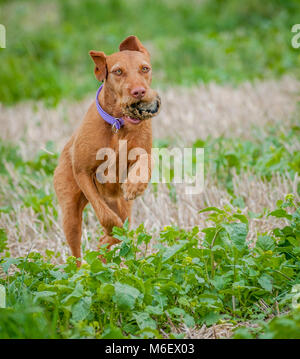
column 145, row 69
column 118, row 72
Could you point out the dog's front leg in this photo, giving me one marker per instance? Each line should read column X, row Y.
column 138, row 177
column 106, row 216
column 133, row 190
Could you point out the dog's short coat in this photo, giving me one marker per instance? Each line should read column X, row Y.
column 127, row 77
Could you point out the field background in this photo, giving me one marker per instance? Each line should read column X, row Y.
column 229, row 81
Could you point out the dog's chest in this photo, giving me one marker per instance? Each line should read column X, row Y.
column 112, row 168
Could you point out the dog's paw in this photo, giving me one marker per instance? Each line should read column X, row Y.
column 109, row 241
column 133, row 190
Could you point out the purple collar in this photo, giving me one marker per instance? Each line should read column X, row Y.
column 116, row 123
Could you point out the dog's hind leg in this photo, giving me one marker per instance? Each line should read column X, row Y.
column 72, row 202
column 72, row 223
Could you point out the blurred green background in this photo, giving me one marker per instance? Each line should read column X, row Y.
column 190, row 42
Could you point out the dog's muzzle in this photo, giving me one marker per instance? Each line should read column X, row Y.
column 143, row 110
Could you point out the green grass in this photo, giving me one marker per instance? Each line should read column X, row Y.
column 224, row 41
column 285, row 327
column 267, row 153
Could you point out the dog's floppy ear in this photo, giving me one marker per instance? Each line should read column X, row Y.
column 132, row 43
column 99, row 59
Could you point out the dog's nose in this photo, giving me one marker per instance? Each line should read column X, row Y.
column 138, row 92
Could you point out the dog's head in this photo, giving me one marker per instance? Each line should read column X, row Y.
column 127, row 75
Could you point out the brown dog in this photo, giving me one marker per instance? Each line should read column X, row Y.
column 127, row 77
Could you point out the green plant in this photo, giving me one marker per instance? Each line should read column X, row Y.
column 188, row 278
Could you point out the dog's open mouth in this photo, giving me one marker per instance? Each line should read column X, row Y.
column 141, row 110
column 129, row 119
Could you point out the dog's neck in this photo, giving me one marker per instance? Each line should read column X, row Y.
column 108, row 101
